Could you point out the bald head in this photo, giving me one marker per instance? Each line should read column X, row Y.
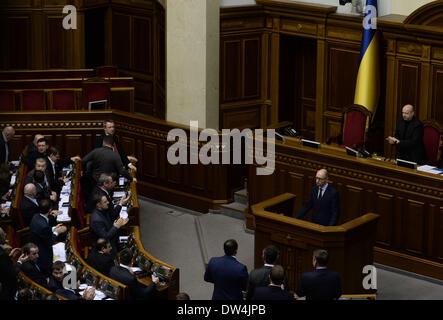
column 407, row 112
column 321, row 177
column 30, row 190
column 8, row 132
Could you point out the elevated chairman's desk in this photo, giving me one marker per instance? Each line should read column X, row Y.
column 409, row 202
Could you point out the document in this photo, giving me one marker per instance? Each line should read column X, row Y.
column 429, row 169
column 13, row 179
column 64, row 216
column 59, row 252
column 118, row 194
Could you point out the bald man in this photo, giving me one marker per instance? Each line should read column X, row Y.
column 7, row 135
column 324, row 200
column 408, row 137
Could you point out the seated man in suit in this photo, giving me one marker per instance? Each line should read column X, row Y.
column 324, row 200
column 30, row 267
column 109, row 130
column 260, row 277
column 408, row 137
column 44, row 236
column 104, row 187
column 55, row 284
column 105, row 160
column 123, row 274
column 42, row 184
column 40, row 152
column 54, row 167
column 29, row 206
column 6, row 136
column 322, row 284
column 100, row 258
column 102, row 225
column 274, row 291
column 229, row 276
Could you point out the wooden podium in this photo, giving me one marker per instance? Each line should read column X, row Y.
column 350, row 245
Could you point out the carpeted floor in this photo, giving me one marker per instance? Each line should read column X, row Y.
column 188, row 239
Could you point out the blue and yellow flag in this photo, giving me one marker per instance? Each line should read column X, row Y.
column 368, row 82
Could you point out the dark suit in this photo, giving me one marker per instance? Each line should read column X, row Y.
column 411, row 146
column 105, row 160
column 31, row 269
column 100, row 261
column 271, row 293
column 321, row 284
column 41, row 234
column 260, row 278
column 3, row 150
column 33, row 155
column 137, row 290
column 326, row 210
column 29, row 208
column 121, row 151
column 8, row 276
column 102, row 226
column 54, row 180
column 90, row 206
column 229, row 277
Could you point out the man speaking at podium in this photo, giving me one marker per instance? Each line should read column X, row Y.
column 324, row 200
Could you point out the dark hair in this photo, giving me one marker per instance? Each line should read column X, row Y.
column 42, row 140
column 277, row 275
column 25, row 295
column 101, row 244
column 105, row 122
column 27, row 247
column 39, row 176
column 97, row 198
column 109, row 140
column 57, row 265
column 182, row 296
column 125, row 256
column 321, row 256
column 270, row 254
column 230, row 246
column 44, row 206
column 53, row 151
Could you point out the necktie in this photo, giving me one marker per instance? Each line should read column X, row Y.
column 319, row 194
column 115, row 147
column 36, row 265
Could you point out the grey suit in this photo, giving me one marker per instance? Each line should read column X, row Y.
column 105, row 160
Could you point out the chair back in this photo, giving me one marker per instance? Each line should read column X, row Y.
column 354, row 126
column 63, row 100
column 33, row 100
column 433, row 141
column 7, row 100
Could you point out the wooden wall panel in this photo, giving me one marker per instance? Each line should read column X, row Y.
column 437, row 93
column 74, row 144
column 252, row 59
column 385, row 208
column 19, row 44
column 231, row 85
column 121, row 45
column 149, row 160
column 243, row 118
column 142, row 45
column 413, row 227
column 408, row 85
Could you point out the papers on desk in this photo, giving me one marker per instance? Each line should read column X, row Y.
column 124, row 212
column 135, row 269
column 64, row 216
column 16, row 163
column 118, row 194
column 59, row 252
column 13, row 179
column 99, row 295
column 7, row 204
column 430, row 169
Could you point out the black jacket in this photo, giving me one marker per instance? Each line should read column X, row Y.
column 411, row 146
column 272, row 293
column 28, row 209
column 41, row 234
column 100, row 262
column 31, row 271
column 121, row 151
column 137, row 290
column 322, row 284
column 105, row 160
column 260, row 278
column 102, row 226
column 326, row 210
column 8, row 276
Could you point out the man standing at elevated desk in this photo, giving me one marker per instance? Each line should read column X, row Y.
column 408, row 137
column 109, row 130
column 324, row 200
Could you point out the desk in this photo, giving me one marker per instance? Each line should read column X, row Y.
column 409, row 202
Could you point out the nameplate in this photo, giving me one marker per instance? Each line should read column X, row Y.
column 352, row 152
column 406, row 164
column 310, row 143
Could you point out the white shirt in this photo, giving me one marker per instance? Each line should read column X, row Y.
column 53, row 165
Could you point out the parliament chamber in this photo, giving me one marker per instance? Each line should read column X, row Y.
column 282, row 64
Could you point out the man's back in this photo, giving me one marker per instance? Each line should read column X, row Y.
column 271, row 292
column 41, row 234
column 105, row 160
column 321, row 284
column 100, row 261
column 260, row 278
column 138, row 291
column 229, row 276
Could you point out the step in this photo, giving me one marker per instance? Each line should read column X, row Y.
column 234, row 210
column 241, row 196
